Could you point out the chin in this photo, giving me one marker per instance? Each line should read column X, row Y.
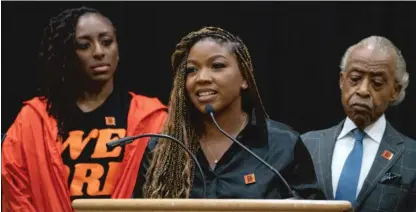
column 101, row 78
column 200, row 107
column 360, row 119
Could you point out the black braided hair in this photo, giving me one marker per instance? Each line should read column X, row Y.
column 58, row 64
column 170, row 174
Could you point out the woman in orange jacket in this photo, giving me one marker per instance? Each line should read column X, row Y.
column 55, row 150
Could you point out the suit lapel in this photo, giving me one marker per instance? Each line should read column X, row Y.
column 392, row 141
column 326, row 150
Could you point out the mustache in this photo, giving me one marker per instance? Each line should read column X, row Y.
column 361, row 102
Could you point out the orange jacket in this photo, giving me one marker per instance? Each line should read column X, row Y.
column 32, row 170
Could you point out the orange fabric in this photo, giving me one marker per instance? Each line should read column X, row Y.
column 32, row 170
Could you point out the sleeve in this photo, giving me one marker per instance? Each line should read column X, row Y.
column 410, row 204
column 158, row 120
column 14, row 174
column 144, row 166
column 301, row 175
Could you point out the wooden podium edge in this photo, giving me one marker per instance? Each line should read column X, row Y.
column 212, row 204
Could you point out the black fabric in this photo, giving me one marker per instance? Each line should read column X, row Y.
column 284, row 150
column 108, row 121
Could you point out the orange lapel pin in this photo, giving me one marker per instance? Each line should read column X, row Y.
column 249, row 179
column 387, row 155
column 110, row 121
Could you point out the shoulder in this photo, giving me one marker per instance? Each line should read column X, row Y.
column 34, row 108
column 32, row 116
column 284, row 138
column 314, row 135
column 409, row 153
column 147, row 107
column 281, row 136
column 408, row 142
column 275, row 128
column 146, row 114
column 312, row 139
column 317, row 135
column 145, row 102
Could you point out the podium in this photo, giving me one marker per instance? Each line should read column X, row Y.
column 208, row 205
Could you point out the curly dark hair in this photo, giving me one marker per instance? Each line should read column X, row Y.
column 170, row 173
column 58, row 64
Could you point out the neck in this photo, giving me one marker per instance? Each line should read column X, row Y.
column 96, row 92
column 231, row 121
column 94, row 95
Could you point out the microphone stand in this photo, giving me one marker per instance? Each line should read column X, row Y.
column 210, row 110
column 127, row 140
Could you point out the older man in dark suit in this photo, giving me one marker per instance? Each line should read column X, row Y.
column 364, row 159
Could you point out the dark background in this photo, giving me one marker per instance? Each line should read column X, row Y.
column 296, row 48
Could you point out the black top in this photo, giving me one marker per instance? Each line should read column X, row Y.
column 90, row 163
column 239, row 175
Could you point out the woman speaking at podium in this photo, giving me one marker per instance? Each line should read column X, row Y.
column 213, row 67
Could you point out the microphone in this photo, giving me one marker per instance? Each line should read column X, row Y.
column 210, row 110
column 127, row 140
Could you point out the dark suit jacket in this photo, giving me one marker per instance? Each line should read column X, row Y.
column 377, row 194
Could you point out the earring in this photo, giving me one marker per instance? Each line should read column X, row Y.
column 244, row 86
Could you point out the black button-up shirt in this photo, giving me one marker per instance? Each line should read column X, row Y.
column 239, row 175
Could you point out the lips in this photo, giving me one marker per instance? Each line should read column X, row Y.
column 205, row 95
column 101, row 67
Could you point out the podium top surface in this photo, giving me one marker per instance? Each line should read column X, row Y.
column 209, row 205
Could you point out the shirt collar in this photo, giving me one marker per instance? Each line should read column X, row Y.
column 375, row 130
column 253, row 133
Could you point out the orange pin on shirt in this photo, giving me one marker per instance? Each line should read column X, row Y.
column 110, row 121
column 387, row 154
column 249, row 179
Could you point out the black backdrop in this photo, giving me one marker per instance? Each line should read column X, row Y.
column 296, row 49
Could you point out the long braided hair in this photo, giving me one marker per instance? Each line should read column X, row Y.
column 58, row 64
column 170, row 174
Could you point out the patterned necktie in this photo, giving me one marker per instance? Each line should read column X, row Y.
column 348, row 181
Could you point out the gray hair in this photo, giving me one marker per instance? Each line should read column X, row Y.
column 382, row 43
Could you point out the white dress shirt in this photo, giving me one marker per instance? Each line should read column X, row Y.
column 345, row 143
